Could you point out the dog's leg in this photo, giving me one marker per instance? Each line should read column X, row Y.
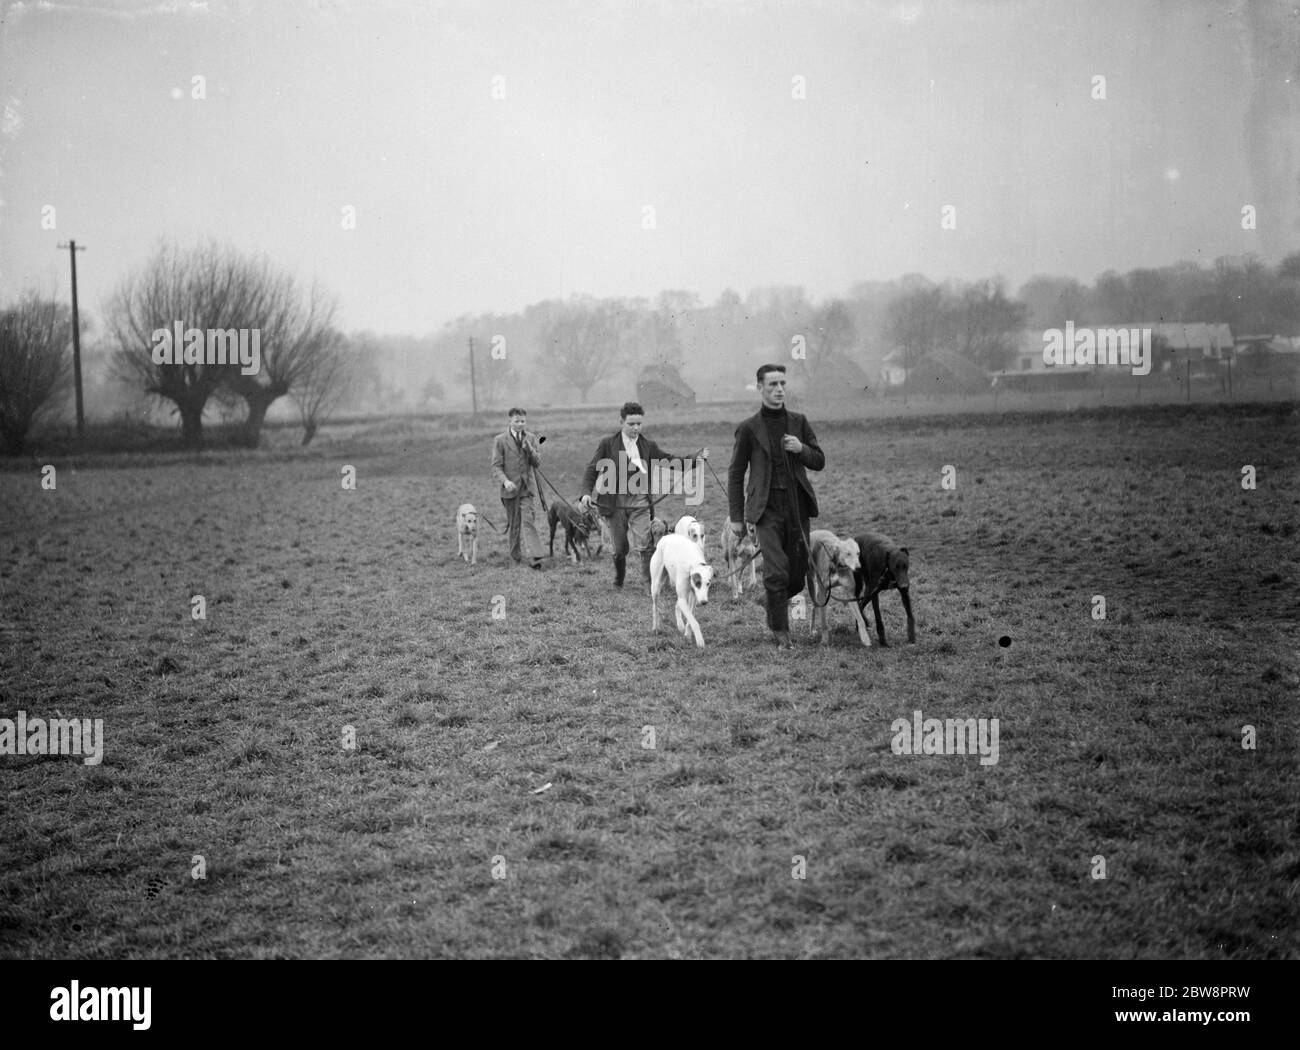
column 864, row 633
column 826, row 624
column 692, row 625
column 473, row 549
column 907, row 607
column 656, row 582
column 554, row 522
column 880, row 624
column 729, row 561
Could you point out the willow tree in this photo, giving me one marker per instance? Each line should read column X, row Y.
column 226, row 299
column 35, row 366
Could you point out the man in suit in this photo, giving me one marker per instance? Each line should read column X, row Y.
column 514, row 455
column 778, row 447
column 624, row 461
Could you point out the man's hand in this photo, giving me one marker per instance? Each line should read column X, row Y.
column 511, row 488
column 738, row 529
column 702, row 454
column 792, row 444
column 585, row 503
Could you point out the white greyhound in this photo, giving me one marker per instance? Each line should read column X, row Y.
column 680, row 561
column 834, row 565
column 467, row 533
column 691, row 528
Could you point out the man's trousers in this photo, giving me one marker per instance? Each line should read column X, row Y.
column 629, row 526
column 519, row 525
column 782, row 539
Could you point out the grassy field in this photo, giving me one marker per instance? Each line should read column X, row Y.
column 328, row 609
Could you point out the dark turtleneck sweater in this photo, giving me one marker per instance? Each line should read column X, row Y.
column 775, row 421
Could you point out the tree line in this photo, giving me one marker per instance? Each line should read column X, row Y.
column 571, row 349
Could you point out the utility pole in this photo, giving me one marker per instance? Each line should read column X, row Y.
column 473, row 385
column 76, row 338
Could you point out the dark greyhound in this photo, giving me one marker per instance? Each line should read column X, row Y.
column 577, row 528
column 884, row 566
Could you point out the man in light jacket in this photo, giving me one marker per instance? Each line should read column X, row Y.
column 514, row 455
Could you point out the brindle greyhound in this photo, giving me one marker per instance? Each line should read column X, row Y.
column 577, row 528
column 884, row 567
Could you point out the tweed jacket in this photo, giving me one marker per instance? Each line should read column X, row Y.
column 747, row 501
column 510, row 463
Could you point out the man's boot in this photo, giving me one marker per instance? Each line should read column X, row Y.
column 778, row 619
column 620, row 568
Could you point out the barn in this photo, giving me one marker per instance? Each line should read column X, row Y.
column 660, row 386
column 947, row 372
column 837, row 378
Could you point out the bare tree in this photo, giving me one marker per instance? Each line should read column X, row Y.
column 917, row 320
column 199, row 289
column 324, row 382
column 35, row 367
column 985, row 324
column 294, row 332
column 1052, row 301
column 213, row 288
column 832, row 332
column 585, row 342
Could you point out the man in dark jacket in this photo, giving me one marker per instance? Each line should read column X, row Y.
column 776, row 446
column 623, row 460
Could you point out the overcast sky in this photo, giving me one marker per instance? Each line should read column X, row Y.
column 465, row 202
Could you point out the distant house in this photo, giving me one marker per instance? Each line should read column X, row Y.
column 1271, row 356
column 1207, row 345
column 661, row 386
column 947, row 372
column 1029, row 371
column 938, row 372
column 893, row 369
column 837, row 376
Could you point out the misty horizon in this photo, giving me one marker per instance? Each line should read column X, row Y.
column 497, row 156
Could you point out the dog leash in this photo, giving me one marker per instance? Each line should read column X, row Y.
column 739, row 568
column 793, row 500
column 558, row 496
column 721, row 486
